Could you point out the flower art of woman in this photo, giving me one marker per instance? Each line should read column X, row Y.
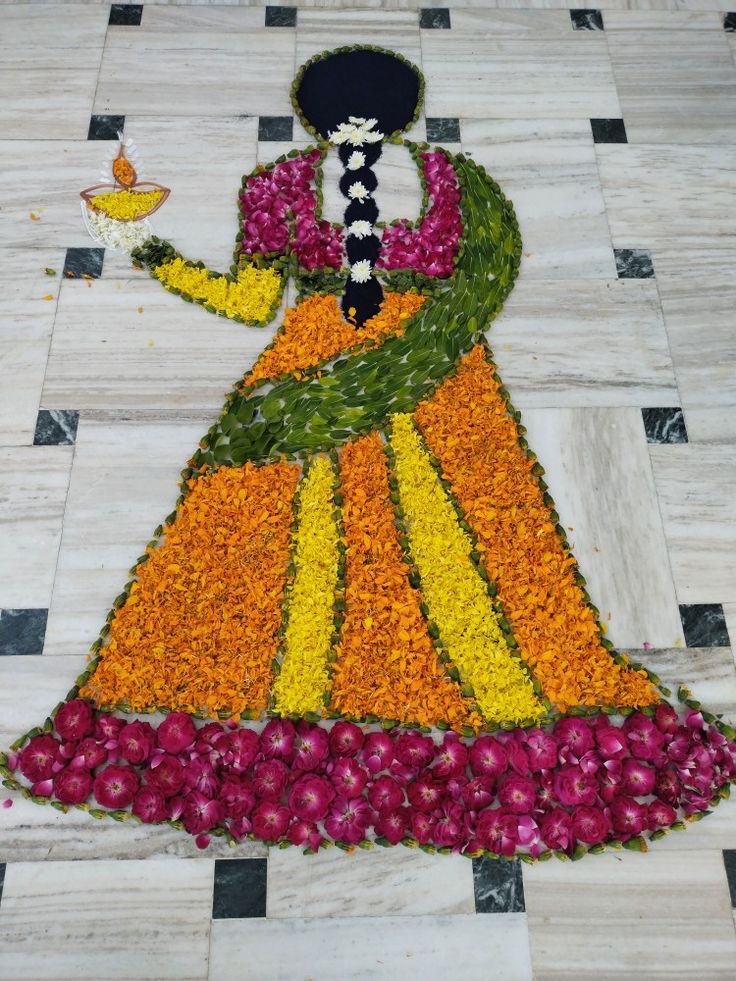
column 362, row 623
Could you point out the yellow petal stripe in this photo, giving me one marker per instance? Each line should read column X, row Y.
column 251, row 297
column 454, row 592
column 304, row 677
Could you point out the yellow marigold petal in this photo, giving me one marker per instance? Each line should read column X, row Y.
column 251, row 297
column 304, row 677
column 455, row 593
column 469, row 430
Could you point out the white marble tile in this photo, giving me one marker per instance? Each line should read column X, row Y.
column 729, row 611
column 111, row 920
column 319, row 30
column 599, row 476
column 33, row 488
column 489, row 23
column 46, row 104
column 548, row 169
column 60, row 169
column 183, row 19
column 695, row 486
column 624, row 915
column 657, row 195
column 698, row 299
column 30, row 687
column 381, row 882
column 127, row 348
column 26, row 320
column 470, row 75
column 55, row 35
column 675, row 86
column 427, row 948
column 232, row 73
column 709, row 672
column 201, row 215
column 583, row 343
column 647, row 18
column 124, row 483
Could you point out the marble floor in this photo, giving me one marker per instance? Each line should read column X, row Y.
column 614, row 132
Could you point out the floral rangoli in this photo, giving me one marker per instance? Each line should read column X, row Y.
column 362, row 623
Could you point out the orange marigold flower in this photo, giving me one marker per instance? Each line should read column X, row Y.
column 468, row 428
column 198, row 631
column 316, row 330
column 386, row 662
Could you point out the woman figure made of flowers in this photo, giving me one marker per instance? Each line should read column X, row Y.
column 362, row 623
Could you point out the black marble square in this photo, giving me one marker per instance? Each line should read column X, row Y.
column 729, row 22
column 280, row 16
column 240, row 888
column 126, row 14
column 498, row 886
column 275, row 128
column 2, row 878
column 608, row 131
column 443, row 129
column 56, row 427
column 22, row 631
column 664, row 425
column 729, row 860
column 633, row 264
column 105, row 127
column 586, row 20
column 704, row 625
column 83, row 263
column 434, row 19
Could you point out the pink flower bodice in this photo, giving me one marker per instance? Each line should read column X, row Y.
column 279, row 211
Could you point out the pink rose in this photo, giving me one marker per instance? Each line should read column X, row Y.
column 237, row 796
column 449, row 825
column 452, row 757
column 348, row 777
column 149, row 805
column 346, row 739
column 589, row 825
column 541, row 750
column 425, row 794
column 517, row 794
column 201, row 813
column 574, row 735
column 277, row 739
column 628, row 816
column 612, row 742
column 556, row 829
column 176, row 733
column 166, row 774
column 303, row 832
column 378, row 751
column 666, row 718
column 645, row 739
column 415, row 750
column 38, row 758
column 137, row 741
column 497, row 830
column 637, row 779
column 479, row 793
column 115, row 786
column 107, row 728
column 488, row 758
column 74, row 720
column 422, row 827
column 310, row 797
column 385, row 794
column 311, row 746
column 269, row 779
column 572, row 786
column 72, row 786
column 90, row 754
column 393, row 824
column 199, row 775
column 348, row 820
column 660, row 815
column 242, row 748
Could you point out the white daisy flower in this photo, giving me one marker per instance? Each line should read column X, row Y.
column 356, row 132
column 360, row 229
column 358, row 191
column 361, row 271
column 356, row 160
